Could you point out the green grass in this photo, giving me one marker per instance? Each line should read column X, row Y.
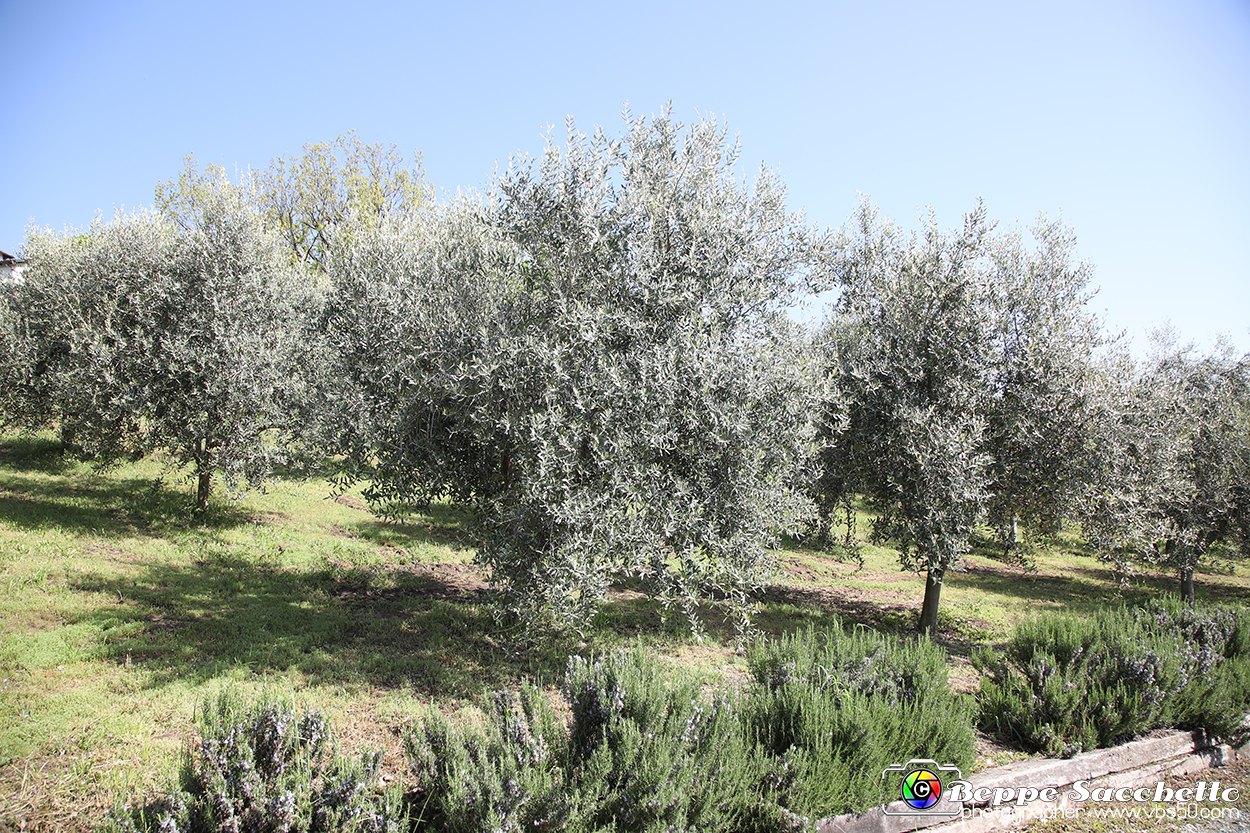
column 120, row 611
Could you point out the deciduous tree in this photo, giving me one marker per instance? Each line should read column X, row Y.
column 306, row 199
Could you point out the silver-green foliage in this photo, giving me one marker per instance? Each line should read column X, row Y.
column 509, row 775
column 268, row 767
column 21, row 394
column 912, row 352
column 964, row 361
column 597, row 358
column 145, row 337
column 652, row 752
column 1170, row 476
column 1042, row 385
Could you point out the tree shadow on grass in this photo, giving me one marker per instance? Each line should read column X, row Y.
column 780, row 609
column 1045, row 591
column 1154, row 583
column 30, row 452
column 406, row 533
column 786, row 608
column 439, row 525
column 43, row 488
column 1085, row 589
column 405, row 628
column 105, row 505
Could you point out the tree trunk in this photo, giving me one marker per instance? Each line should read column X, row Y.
column 823, row 527
column 68, row 444
column 1009, row 531
column 850, row 523
column 203, row 487
column 1187, row 584
column 203, row 476
column 932, row 594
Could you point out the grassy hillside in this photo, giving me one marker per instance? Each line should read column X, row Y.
column 119, row 612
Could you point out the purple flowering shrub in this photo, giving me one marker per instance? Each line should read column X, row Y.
column 269, row 768
column 1065, row 684
column 647, row 747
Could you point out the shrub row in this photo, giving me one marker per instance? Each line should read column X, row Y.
column 641, row 747
column 835, row 710
column 648, row 749
column 1069, row 683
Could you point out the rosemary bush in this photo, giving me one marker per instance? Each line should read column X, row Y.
column 267, row 768
column 646, row 750
column 1065, row 684
column 506, row 775
column 834, row 709
column 650, row 751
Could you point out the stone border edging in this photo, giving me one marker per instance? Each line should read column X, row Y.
column 1128, row 765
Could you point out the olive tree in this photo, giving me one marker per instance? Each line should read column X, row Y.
column 912, row 353
column 414, row 304
column 597, row 359
column 21, row 399
column 1113, row 500
column 193, row 341
column 1038, row 412
column 1171, row 478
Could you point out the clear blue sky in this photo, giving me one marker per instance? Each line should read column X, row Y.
column 1131, row 119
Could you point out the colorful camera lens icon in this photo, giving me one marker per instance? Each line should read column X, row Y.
column 916, row 788
column 921, row 789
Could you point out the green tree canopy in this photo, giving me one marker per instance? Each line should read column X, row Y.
column 1039, row 410
column 194, row 341
column 598, row 359
column 1170, row 478
column 306, row 199
column 912, row 354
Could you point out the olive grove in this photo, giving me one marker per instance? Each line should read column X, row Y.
column 598, row 359
column 1045, row 345
column 1169, row 476
column 962, row 364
